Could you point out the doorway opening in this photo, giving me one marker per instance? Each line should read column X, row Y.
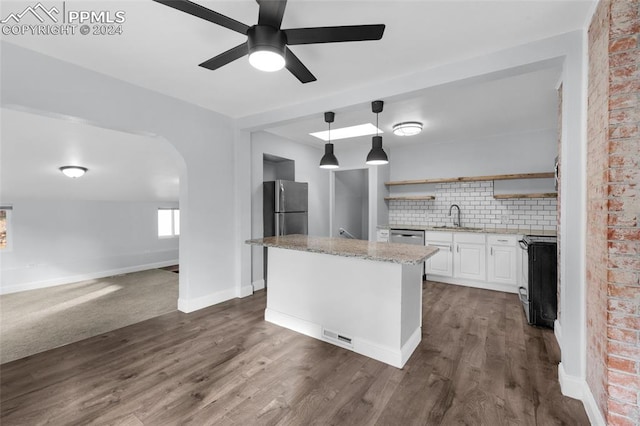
column 351, row 205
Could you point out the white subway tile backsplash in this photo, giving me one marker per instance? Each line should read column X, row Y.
column 478, row 209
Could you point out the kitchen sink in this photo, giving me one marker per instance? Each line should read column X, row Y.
column 458, row 228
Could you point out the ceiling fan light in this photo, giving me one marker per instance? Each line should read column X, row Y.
column 328, row 160
column 266, row 60
column 73, row 171
column 377, row 156
column 408, row 128
column 266, row 48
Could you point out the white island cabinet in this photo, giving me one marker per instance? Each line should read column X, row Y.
column 364, row 296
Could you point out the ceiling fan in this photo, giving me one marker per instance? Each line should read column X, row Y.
column 267, row 44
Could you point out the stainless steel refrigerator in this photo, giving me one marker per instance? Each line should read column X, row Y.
column 285, row 207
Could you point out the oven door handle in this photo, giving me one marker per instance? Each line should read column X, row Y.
column 523, row 244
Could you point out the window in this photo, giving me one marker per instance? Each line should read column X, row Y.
column 168, row 222
column 5, row 228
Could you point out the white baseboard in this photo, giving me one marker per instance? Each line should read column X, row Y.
column 506, row 288
column 557, row 331
column 245, row 290
column 411, row 345
column 84, row 277
column 258, row 285
column 577, row 387
column 394, row 357
column 591, row 407
column 195, row 304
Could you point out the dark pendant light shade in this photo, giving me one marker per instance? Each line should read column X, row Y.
column 377, row 156
column 329, row 160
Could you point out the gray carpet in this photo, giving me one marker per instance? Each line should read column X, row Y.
column 39, row 320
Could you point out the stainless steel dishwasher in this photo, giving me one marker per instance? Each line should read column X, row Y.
column 408, row 236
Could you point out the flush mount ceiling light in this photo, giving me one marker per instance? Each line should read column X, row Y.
column 377, row 156
column 329, row 160
column 408, row 128
column 73, row 171
column 366, row 129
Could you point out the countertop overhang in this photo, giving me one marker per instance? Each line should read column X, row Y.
column 405, row 254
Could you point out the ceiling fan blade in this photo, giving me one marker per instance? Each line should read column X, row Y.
column 297, row 68
column 271, row 12
column 202, row 12
column 334, row 34
column 226, row 57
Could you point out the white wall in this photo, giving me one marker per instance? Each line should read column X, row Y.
column 204, row 140
column 57, row 242
column 307, row 160
column 272, row 170
column 502, row 154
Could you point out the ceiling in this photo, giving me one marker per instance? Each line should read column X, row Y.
column 522, row 103
column 122, row 166
column 160, row 49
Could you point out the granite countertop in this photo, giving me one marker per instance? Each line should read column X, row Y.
column 382, row 252
column 487, row 230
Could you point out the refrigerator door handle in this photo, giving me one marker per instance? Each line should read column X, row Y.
column 279, row 224
column 281, row 201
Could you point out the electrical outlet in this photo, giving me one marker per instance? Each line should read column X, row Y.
column 504, row 219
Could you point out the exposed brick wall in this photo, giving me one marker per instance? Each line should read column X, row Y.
column 597, row 165
column 613, row 203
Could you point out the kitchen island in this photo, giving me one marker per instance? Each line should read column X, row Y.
column 361, row 295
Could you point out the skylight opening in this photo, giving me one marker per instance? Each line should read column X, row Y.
column 348, row 132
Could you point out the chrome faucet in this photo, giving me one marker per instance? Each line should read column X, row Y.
column 455, row 223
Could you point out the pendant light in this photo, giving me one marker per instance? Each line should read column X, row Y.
column 377, row 156
column 329, row 161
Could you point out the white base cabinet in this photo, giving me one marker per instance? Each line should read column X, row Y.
column 382, row 235
column 480, row 260
column 470, row 256
column 441, row 263
column 502, row 259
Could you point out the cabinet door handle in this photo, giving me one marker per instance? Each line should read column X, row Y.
column 458, row 248
column 503, row 241
column 491, row 251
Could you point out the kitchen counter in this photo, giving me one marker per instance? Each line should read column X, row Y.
column 369, row 250
column 473, row 229
column 360, row 295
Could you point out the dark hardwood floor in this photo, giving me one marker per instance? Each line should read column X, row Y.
column 478, row 364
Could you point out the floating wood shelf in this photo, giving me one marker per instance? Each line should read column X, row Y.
column 544, row 175
column 536, row 195
column 411, row 197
